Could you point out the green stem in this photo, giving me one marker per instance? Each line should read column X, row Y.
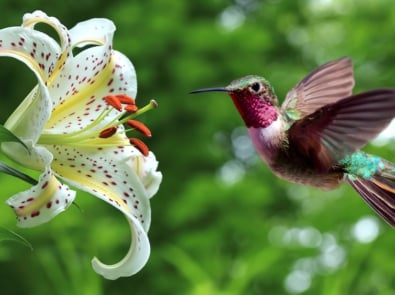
column 152, row 105
column 13, row 172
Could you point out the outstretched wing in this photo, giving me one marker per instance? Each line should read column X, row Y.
column 337, row 129
column 327, row 84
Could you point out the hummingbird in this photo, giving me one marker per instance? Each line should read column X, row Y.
column 315, row 137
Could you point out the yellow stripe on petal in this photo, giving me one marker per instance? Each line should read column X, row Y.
column 78, row 98
column 28, row 60
column 47, row 191
column 106, row 173
column 104, row 189
column 42, row 202
column 58, row 67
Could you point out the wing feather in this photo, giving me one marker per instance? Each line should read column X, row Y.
column 327, row 84
column 337, row 129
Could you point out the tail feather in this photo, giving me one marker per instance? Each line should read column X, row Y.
column 379, row 192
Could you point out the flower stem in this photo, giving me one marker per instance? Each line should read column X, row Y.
column 13, row 172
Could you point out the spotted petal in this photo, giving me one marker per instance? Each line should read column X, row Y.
column 23, row 44
column 114, row 180
column 146, row 169
column 43, row 201
column 96, row 31
column 78, row 91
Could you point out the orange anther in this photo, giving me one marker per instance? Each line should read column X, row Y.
column 108, row 132
column 131, row 108
column 113, row 101
column 140, row 127
column 125, row 99
column 139, row 145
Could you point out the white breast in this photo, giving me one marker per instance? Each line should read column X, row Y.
column 266, row 139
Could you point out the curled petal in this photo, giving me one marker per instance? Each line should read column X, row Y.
column 39, row 52
column 29, row 119
column 31, row 19
column 134, row 260
column 107, row 174
column 146, row 169
column 34, row 48
column 96, row 31
column 115, row 181
column 34, row 157
column 42, row 202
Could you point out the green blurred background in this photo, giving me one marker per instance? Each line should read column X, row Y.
column 222, row 223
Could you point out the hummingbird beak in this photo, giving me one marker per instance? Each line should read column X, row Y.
column 212, row 89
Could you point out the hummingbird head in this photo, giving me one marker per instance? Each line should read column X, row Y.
column 253, row 97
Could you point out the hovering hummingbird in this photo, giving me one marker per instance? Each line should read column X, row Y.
column 314, row 138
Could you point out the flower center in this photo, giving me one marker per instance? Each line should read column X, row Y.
column 104, row 132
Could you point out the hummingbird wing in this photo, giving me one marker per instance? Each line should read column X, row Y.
column 335, row 130
column 327, row 84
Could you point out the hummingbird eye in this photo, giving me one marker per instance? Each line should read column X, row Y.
column 255, row 86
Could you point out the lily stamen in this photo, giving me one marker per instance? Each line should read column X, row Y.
column 131, row 108
column 138, row 144
column 116, row 101
column 113, row 101
column 108, row 132
column 140, row 127
column 125, row 99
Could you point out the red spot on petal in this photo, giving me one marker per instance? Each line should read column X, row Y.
column 35, row 214
column 44, row 185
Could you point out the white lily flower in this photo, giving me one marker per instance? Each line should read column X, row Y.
column 72, row 124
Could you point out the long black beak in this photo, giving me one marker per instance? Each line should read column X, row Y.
column 212, row 89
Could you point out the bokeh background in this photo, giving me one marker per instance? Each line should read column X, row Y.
column 222, row 223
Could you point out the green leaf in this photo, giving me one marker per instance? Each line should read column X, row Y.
column 7, row 136
column 4, row 168
column 8, row 235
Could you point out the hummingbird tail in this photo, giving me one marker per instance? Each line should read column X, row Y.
column 378, row 191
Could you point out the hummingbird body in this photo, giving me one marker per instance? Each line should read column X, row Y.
column 314, row 138
column 287, row 163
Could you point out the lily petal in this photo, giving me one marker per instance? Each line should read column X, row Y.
column 30, row 47
column 43, row 201
column 78, row 91
column 109, row 178
column 134, row 260
column 114, row 180
column 146, row 169
column 31, row 19
column 96, row 31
